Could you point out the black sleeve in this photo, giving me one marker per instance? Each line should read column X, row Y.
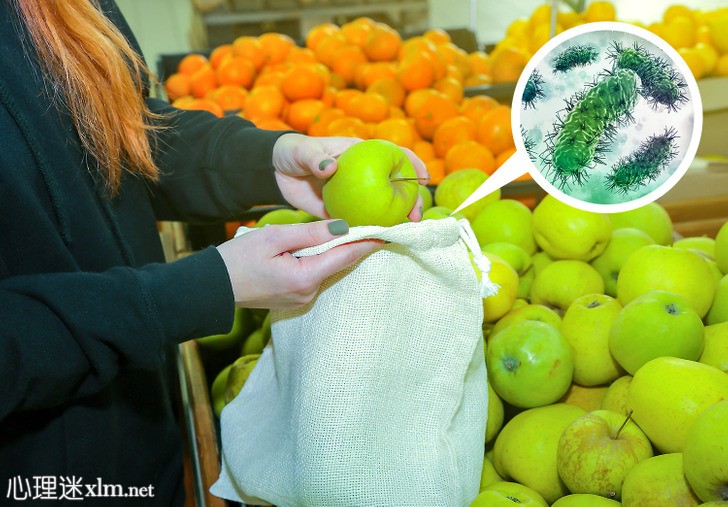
column 212, row 167
column 67, row 335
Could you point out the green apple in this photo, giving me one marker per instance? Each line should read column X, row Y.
column 657, row 323
column 565, row 232
column 454, row 188
column 530, row 364
column 440, row 212
column 656, row 267
column 539, row 313
column 561, row 282
column 488, row 476
column 495, row 415
column 651, row 218
column 374, row 184
column 705, row 455
column 508, row 494
column 505, row 220
column 586, row 326
column 717, row 273
column 584, row 500
column 242, row 323
column 721, row 248
column 658, row 481
column 622, row 244
column 514, row 255
column 254, row 343
column 307, row 217
column 540, row 260
column 597, row 450
column 702, row 244
column 667, row 394
column 588, row 398
column 237, row 376
column 615, row 399
column 282, row 216
column 525, row 282
column 719, row 310
column 427, row 197
column 501, row 273
column 217, row 390
column 715, row 351
column 525, row 450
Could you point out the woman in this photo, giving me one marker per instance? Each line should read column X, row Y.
column 88, row 308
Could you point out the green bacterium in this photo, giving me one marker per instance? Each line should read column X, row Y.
column 579, row 55
column 529, row 144
column 645, row 164
column 582, row 139
column 660, row 83
column 533, row 91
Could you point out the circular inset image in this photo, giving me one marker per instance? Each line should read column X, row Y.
column 609, row 115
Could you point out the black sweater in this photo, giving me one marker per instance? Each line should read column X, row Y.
column 88, row 308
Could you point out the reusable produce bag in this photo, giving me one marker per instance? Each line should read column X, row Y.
column 373, row 394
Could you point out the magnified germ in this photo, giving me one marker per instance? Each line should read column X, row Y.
column 579, row 55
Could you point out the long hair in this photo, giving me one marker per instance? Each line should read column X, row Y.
column 99, row 79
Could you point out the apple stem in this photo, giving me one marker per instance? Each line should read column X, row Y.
column 407, row 179
column 629, row 416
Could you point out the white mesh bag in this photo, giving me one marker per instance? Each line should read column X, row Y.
column 375, row 393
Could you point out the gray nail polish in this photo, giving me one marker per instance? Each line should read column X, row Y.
column 324, row 163
column 338, row 227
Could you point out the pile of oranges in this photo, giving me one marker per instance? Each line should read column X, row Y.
column 359, row 79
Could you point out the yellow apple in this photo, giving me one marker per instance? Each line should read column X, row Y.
column 589, row 398
column 715, row 352
column 584, row 500
column 561, row 282
column 615, row 399
column 454, row 188
column 495, row 307
column 658, row 481
column 495, row 415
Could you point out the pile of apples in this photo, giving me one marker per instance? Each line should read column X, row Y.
column 606, row 350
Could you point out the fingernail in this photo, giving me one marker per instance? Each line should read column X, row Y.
column 324, row 163
column 338, row 227
column 421, row 210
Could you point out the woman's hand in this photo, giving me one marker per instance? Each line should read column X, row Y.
column 303, row 164
column 264, row 273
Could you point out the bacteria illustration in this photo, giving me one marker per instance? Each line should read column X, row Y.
column 645, row 164
column 579, row 141
column 579, row 55
column 533, row 91
column 529, row 144
column 660, row 83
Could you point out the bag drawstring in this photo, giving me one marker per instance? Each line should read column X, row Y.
column 487, row 287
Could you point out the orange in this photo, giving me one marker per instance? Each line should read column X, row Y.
column 450, row 87
column 477, row 80
column 191, row 63
column 271, row 124
column 391, row 89
column 475, row 107
column 318, row 33
column 507, row 64
column 503, row 156
column 382, row 43
column 395, row 130
column 235, row 70
column 320, row 124
column 436, row 168
column 369, row 107
column 303, row 81
column 415, row 46
column 301, row 55
column 479, row 63
column 205, row 105
column 276, row 47
column 600, row 11
column 271, row 78
column 437, row 36
column 348, row 126
column 372, row 72
column 344, row 98
column 181, row 103
column 229, row 97
column 346, row 62
column 414, row 101
column 219, row 53
column 453, row 55
column 456, row 130
column 177, row 85
column 302, row 113
column 494, row 130
column 329, row 96
column 415, row 72
column 396, row 112
column 357, row 31
column 264, row 102
column 424, row 150
column 469, row 155
column 249, row 48
column 327, row 48
column 436, row 109
column 203, row 81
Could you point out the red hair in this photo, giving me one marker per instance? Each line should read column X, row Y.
column 99, row 79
